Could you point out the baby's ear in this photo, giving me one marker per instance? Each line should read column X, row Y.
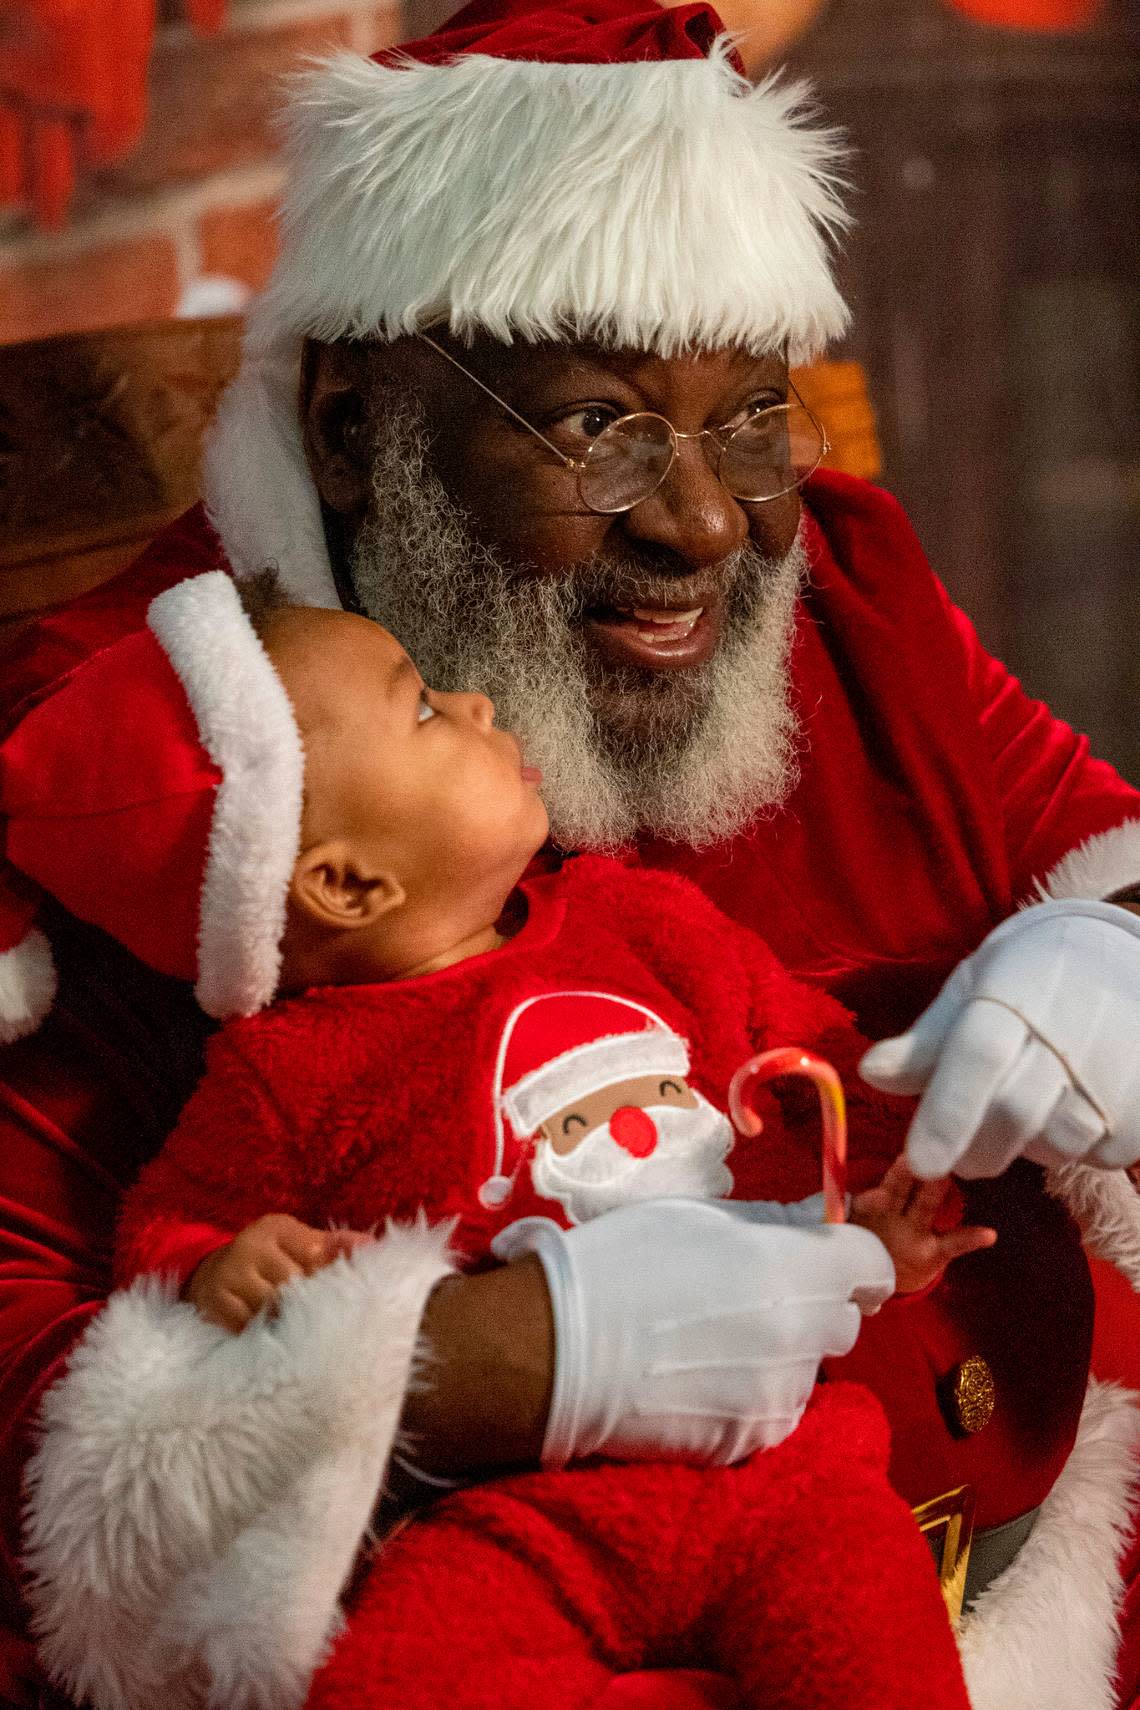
column 339, row 891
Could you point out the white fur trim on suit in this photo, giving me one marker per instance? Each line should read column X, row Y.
column 198, row 1499
column 1044, row 1635
column 256, row 483
column 1106, row 1208
column 665, row 206
column 27, row 986
column 248, row 729
column 1096, row 869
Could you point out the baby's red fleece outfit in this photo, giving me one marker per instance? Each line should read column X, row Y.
column 583, row 1063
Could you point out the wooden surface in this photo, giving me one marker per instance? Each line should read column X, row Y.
column 100, row 442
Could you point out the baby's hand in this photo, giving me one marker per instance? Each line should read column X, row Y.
column 233, row 1284
column 902, row 1211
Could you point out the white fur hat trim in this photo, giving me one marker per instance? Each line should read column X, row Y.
column 247, row 727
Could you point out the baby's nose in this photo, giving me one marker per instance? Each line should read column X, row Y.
column 634, row 1130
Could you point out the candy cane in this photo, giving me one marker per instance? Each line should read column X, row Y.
column 789, row 1060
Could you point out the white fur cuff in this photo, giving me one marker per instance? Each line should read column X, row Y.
column 1097, row 868
column 1044, row 1636
column 198, row 1499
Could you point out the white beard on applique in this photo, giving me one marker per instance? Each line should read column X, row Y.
column 687, row 1161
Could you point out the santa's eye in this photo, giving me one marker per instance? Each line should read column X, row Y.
column 567, row 1120
column 668, row 1087
column 578, row 429
column 425, row 710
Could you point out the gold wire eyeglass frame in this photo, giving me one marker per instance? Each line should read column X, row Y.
column 717, row 435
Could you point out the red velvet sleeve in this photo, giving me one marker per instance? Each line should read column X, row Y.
column 82, row 1105
column 1053, row 792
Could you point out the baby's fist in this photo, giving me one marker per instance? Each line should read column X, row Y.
column 241, row 1279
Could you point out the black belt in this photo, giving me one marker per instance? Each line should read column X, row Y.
column 992, row 1549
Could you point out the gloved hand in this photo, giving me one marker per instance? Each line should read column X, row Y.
column 685, row 1329
column 1031, row 1048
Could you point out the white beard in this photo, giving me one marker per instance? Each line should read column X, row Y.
column 688, row 1161
column 715, row 746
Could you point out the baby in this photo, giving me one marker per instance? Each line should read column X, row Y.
column 420, row 818
column 420, row 1029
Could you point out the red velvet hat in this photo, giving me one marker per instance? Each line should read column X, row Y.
column 588, row 169
column 600, row 170
column 157, row 794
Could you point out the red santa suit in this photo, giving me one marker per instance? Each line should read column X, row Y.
column 932, row 792
column 92, row 1092
column 451, row 1094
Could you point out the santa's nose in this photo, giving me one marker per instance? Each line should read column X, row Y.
column 634, row 1130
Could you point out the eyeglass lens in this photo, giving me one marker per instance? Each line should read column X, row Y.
column 626, row 463
column 767, row 455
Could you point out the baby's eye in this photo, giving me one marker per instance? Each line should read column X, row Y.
column 426, row 710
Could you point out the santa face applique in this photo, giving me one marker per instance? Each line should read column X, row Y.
column 593, row 1089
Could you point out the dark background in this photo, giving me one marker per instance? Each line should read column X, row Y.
column 995, row 277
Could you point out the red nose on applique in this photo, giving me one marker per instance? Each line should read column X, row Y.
column 634, row 1130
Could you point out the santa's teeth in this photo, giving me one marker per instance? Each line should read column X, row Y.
column 659, row 614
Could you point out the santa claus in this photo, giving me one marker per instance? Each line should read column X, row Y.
column 519, row 389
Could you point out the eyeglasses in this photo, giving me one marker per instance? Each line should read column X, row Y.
column 766, row 454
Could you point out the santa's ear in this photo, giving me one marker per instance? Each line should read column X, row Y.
column 339, row 890
column 334, row 401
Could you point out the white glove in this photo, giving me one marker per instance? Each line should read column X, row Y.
column 1032, row 1047
column 683, row 1329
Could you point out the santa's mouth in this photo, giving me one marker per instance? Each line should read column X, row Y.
column 658, row 637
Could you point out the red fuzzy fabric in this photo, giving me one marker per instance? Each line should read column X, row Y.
column 348, row 1105
column 800, row 1573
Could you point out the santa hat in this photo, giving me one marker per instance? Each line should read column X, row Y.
column 585, row 169
column 559, row 1047
column 156, row 793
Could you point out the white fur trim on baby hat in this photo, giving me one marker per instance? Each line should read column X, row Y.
column 247, row 727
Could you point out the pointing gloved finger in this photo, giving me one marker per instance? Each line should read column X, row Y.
column 979, row 1053
column 1020, row 1108
column 1074, row 1129
column 905, row 1063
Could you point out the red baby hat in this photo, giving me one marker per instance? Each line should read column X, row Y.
column 156, row 793
column 562, row 1046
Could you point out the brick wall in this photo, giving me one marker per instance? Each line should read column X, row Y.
column 186, row 218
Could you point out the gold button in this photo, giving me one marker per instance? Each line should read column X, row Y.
column 973, row 1394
